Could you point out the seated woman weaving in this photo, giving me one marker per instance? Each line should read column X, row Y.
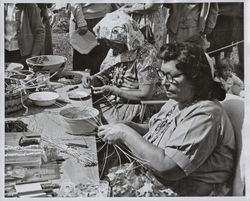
column 190, row 146
column 128, row 73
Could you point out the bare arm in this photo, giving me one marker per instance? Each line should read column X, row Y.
column 143, row 8
column 144, row 92
column 79, row 18
column 153, row 156
column 142, row 129
column 76, row 10
column 199, row 130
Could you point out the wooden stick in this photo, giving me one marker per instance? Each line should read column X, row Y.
column 40, row 77
column 33, row 79
column 233, row 44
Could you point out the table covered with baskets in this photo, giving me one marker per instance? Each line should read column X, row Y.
column 51, row 143
column 42, row 157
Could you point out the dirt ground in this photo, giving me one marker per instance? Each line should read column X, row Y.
column 62, row 47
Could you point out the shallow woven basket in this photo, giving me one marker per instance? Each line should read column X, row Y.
column 14, row 101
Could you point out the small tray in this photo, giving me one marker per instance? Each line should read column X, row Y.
column 79, row 95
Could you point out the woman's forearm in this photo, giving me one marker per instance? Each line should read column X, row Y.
column 142, row 129
column 131, row 95
column 153, row 156
column 145, row 8
column 144, row 92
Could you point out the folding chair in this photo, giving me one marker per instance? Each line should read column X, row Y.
column 234, row 106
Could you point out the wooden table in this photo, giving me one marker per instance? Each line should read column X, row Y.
column 46, row 122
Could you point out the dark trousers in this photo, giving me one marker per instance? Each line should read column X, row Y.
column 228, row 29
column 15, row 57
column 94, row 59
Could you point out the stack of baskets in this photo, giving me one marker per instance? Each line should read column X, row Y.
column 15, row 95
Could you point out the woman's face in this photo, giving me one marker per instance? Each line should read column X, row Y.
column 178, row 87
column 116, row 46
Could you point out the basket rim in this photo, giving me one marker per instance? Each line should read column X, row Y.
column 17, row 92
column 43, row 65
column 83, row 118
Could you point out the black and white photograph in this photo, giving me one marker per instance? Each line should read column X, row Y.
column 124, row 99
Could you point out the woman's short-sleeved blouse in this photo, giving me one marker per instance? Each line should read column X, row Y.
column 200, row 139
column 140, row 65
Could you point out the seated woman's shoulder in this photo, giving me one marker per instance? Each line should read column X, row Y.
column 213, row 107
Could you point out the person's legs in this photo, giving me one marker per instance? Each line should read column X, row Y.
column 238, row 35
column 81, row 61
column 93, row 59
column 48, row 47
column 12, row 56
column 15, row 57
column 220, row 37
column 97, row 56
column 240, row 67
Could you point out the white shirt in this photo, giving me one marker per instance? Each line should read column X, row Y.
column 11, row 41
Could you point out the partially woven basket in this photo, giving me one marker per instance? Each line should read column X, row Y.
column 14, row 99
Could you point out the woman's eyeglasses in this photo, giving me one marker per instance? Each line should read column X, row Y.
column 168, row 77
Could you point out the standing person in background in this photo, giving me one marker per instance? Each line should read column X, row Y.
column 188, row 19
column 86, row 16
column 152, row 14
column 228, row 30
column 48, row 50
column 24, row 32
column 60, row 14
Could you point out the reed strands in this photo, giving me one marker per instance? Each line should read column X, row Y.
column 87, row 158
column 105, row 160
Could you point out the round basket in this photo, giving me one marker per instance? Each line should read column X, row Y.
column 79, row 120
column 15, row 96
column 51, row 63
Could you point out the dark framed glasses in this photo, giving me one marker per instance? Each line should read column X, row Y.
column 168, row 77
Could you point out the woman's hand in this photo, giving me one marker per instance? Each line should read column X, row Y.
column 106, row 89
column 86, row 81
column 130, row 83
column 112, row 133
column 82, row 30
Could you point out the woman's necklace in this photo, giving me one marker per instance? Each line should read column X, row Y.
column 163, row 126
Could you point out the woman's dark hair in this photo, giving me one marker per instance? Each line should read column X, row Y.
column 193, row 63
